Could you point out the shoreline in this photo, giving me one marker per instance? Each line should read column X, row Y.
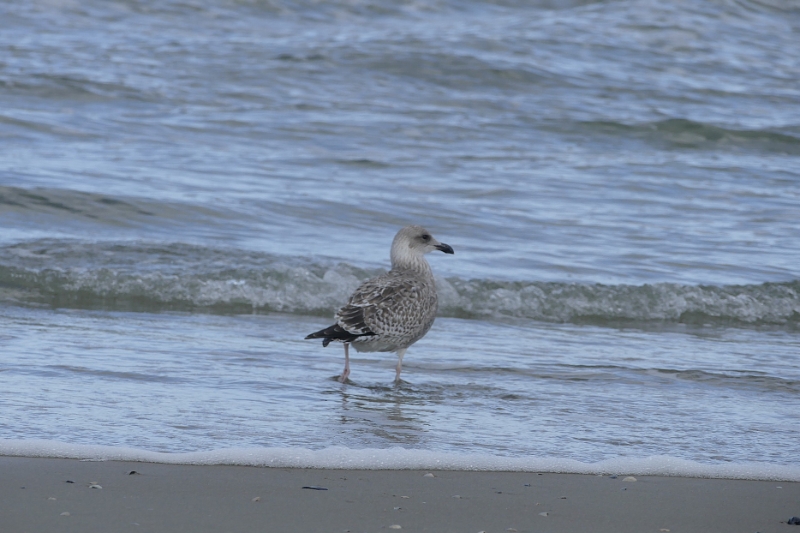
column 35, row 494
column 398, row 458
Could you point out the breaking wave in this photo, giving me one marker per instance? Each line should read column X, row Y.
column 180, row 277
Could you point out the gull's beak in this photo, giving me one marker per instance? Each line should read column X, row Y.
column 446, row 248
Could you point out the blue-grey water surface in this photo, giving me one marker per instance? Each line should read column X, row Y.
column 188, row 188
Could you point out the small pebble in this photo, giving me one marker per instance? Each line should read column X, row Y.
column 544, row 514
column 563, row 497
column 624, row 488
column 457, row 497
column 629, row 478
column 95, row 486
column 397, row 508
column 65, row 513
column 396, row 526
column 613, row 477
column 794, row 521
column 68, row 481
column 405, row 497
column 664, row 530
column 314, row 487
column 527, row 484
column 51, row 499
column 428, row 475
column 778, row 487
column 511, row 529
column 256, row 499
column 132, row 473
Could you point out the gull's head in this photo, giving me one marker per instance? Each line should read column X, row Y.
column 412, row 242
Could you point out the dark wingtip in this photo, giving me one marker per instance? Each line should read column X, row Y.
column 321, row 334
column 446, row 248
column 336, row 333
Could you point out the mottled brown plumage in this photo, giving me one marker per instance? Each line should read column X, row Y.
column 391, row 312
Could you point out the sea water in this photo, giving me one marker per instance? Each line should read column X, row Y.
column 189, row 188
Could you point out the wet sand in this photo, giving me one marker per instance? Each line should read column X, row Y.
column 43, row 495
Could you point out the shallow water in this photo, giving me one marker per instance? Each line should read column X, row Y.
column 189, row 188
column 204, row 382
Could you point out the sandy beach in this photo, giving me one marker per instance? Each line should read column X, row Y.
column 41, row 495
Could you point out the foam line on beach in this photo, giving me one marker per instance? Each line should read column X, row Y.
column 404, row 459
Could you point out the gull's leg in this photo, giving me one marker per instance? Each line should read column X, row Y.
column 346, row 372
column 400, row 354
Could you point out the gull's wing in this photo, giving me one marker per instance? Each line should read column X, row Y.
column 390, row 304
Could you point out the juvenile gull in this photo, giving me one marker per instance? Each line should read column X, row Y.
column 393, row 311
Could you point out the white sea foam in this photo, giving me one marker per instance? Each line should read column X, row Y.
column 152, row 277
column 404, row 459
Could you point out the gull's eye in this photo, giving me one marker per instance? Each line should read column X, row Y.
column 426, row 237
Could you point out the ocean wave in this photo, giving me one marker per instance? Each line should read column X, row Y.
column 404, row 459
column 683, row 133
column 74, row 87
column 181, row 277
column 771, row 5
column 50, row 209
column 767, row 303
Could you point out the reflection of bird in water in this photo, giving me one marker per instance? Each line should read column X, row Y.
column 393, row 311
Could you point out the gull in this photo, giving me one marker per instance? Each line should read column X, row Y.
column 391, row 312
